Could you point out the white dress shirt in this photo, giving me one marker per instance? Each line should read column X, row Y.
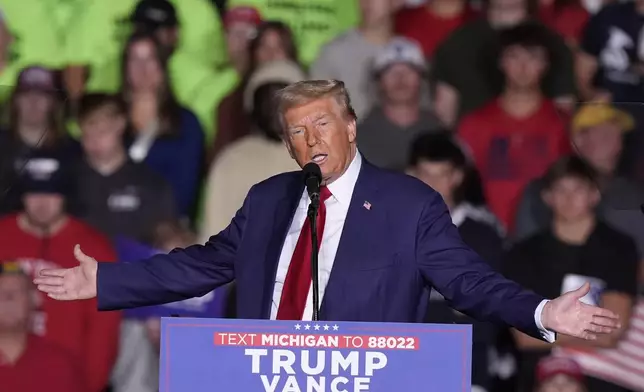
column 337, row 207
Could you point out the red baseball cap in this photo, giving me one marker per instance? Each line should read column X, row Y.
column 243, row 14
column 551, row 366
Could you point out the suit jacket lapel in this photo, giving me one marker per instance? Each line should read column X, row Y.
column 282, row 219
column 364, row 219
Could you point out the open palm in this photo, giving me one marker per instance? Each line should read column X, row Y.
column 68, row 284
column 568, row 315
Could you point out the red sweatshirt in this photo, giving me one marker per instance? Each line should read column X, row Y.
column 90, row 336
column 510, row 152
column 41, row 367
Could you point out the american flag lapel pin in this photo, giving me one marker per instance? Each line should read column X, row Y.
column 367, row 205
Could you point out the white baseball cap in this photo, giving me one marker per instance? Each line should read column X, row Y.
column 400, row 50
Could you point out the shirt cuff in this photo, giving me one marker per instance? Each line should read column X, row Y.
column 548, row 336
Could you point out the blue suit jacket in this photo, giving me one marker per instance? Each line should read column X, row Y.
column 388, row 258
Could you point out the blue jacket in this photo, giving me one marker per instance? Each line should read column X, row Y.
column 179, row 159
column 388, row 258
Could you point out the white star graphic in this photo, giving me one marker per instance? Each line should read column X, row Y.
column 326, row 327
column 335, row 327
column 317, row 327
column 298, row 326
column 307, row 327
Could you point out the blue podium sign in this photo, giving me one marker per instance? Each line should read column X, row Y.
column 200, row 355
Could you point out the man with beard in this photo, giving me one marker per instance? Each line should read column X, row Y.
column 386, row 134
column 41, row 236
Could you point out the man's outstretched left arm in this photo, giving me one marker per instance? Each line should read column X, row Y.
column 468, row 282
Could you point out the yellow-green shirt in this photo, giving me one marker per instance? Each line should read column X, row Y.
column 41, row 29
column 313, row 22
column 97, row 37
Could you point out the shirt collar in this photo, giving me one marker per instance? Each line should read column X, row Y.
column 342, row 188
column 459, row 214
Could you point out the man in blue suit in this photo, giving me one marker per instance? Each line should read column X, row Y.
column 386, row 239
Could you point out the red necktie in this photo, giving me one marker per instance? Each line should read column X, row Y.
column 298, row 278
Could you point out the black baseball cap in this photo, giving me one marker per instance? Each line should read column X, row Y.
column 46, row 174
column 155, row 14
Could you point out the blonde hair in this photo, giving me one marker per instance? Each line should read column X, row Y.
column 301, row 93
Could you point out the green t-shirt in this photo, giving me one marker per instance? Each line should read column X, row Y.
column 41, row 29
column 313, row 22
column 98, row 36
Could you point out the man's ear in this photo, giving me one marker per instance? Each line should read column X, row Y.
column 352, row 131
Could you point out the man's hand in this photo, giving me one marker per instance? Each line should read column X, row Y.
column 70, row 283
column 568, row 315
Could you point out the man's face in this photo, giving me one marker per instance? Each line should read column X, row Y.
column 443, row 177
column 102, row 133
column 271, row 48
column 238, row 36
column 400, row 83
column 43, row 209
column 561, row 383
column 167, row 36
column 143, row 69
column 600, row 145
column 571, row 198
column 34, row 107
column 15, row 303
column 376, row 11
column 320, row 132
column 524, row 67
column 507, row 13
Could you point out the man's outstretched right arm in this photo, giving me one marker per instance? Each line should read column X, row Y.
column 181, row 274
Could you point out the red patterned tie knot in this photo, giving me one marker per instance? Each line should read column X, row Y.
column 325, row 193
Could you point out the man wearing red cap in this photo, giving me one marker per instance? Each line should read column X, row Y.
column 559, row 374
column 241, row 27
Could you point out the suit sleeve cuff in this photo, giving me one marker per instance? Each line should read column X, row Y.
column 548, row 336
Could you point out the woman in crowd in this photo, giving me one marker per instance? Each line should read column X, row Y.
column 274, row 41
column 162, row 134
column 35, row 127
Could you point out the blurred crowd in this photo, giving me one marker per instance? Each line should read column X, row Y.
column 138, row 126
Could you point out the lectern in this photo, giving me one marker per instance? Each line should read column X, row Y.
column 205, row 355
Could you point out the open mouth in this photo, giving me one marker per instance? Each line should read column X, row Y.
column 319, row 158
